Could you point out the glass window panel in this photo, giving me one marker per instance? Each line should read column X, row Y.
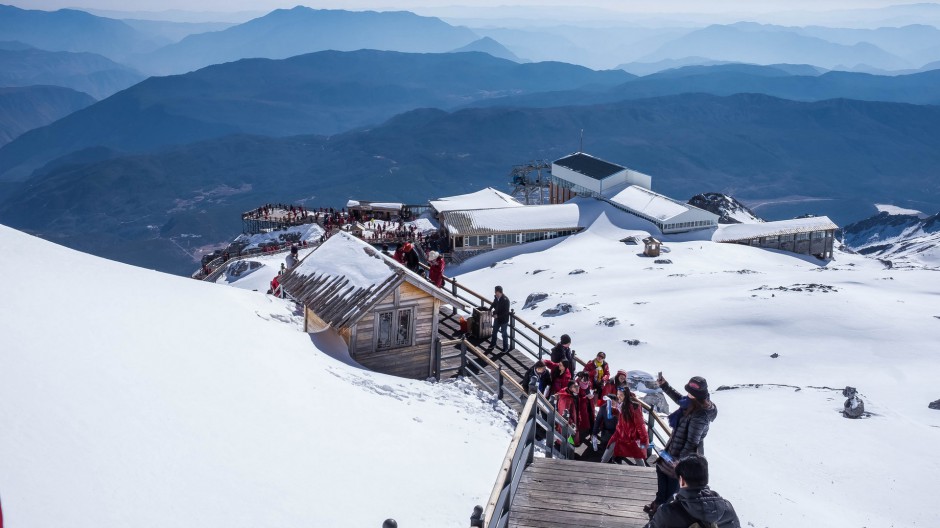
column 384, row 330
column 403, row 333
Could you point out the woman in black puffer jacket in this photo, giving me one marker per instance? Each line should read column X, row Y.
column 689, row 424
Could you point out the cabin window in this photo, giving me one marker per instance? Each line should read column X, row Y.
column 394, row 328
column 819, row 234
column 802, row 236
column 786, row 238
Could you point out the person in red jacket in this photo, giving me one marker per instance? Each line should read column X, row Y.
column 399, row 254
column 611, row 387
column 561, row 375
column 568, row 408
column 586, row 399
column 599, row 371
column 631, row 438
column 436, row 265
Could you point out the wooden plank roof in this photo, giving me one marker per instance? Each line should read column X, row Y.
column 344, row 278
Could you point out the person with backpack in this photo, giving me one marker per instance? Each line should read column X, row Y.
column 690, row 423
column 695, row 505
column 412, row 260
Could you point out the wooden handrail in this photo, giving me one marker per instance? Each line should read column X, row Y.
column 506, row 468
column 493, row 364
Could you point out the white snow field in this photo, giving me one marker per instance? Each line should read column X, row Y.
column 783, row 455
column 130, row 398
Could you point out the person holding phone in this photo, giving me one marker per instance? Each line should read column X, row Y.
column 690, row 423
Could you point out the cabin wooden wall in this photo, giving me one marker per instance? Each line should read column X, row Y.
column 410, row 362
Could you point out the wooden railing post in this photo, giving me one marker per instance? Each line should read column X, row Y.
column 650, row 427
column 437, row 359
column 550, row 434
column 454, row 286
column 540, row 347
column 463, row 357
column 499, row 384
column 512, row 329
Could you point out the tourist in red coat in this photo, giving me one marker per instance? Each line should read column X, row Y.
column 611, row 387
column 631, row 438
column 568, row 408
column 436, row 268
column 561, row 375
column 599, row 371
column 586, row 403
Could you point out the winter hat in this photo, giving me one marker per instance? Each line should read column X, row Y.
column 433, row 255
column 698, row 387
column 565, row 339
column 408, row 246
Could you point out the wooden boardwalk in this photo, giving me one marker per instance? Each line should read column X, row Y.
column 570, row 494
column 514, row 362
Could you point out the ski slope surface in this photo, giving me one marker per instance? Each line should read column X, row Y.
column 134, row 398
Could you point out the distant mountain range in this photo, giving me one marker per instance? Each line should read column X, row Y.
column 26, row 108
column 491, row 47
column 288, row 32
column 899, row 240
column 796, row 82
column 98, row 76
column 73, row 30
column 145, row 208
column 320, row 93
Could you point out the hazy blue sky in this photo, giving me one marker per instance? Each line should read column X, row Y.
column 695, row 6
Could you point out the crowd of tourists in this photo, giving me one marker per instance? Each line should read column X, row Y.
column 601, row 410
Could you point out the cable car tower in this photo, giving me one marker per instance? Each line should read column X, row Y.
column 527, row 187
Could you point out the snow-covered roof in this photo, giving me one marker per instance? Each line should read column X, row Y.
column 365, row 204
column 513, row 219
column 345, row 277
column 589, row 166
column 650, row 204
column 734, row 232
column 488, row 198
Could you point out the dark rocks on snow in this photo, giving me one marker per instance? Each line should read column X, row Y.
column 662, row 261
column 536, row 272
column 811, row 288
column 632, row 342
column 854, row 407
column 775, row 355
column 533, row 300
column 576, row 272
column 560, row 309
column 934, row 405
column 608, row 321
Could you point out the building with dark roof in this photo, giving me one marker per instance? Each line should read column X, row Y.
column 581, row 174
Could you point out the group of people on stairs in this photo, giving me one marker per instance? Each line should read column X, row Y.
column 603, row 411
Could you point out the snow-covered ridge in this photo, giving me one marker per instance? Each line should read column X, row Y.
column 134, row 398
column 899, row 239
column 728, row 209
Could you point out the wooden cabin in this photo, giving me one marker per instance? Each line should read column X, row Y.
column 387, row 315
column 652, row 247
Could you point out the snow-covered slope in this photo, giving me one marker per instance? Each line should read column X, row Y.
column 133, row 398
column 902, row 237
column 728, row 209
column 780, row 450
